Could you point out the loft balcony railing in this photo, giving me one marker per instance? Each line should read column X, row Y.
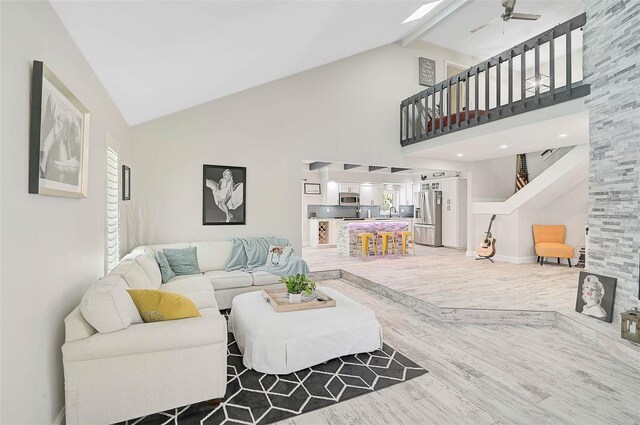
column 499, row 87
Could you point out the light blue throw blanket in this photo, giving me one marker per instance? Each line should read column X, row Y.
column 250, row 255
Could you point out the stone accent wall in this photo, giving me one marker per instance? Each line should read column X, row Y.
column 612, row 66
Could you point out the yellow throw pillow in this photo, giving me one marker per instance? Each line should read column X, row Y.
column 156, row 306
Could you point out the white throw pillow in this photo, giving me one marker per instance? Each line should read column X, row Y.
column 133, row 274
column 278, row 255
column 108, row 307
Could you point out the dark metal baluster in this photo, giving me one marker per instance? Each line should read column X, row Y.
column 552, row 64
column 441, row 124
column 486, row 87
column 568, row 53
column 510, row 76
column 523, row 72
column 477, row 97
column 498, row 84
column 433, row 111
column 449, row 103
column 537, row 77
column 458, row 101
column 466, row 97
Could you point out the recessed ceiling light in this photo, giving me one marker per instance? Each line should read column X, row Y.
column 504, row 146
column 460, row 155
column 422, row 11
column 563, row 135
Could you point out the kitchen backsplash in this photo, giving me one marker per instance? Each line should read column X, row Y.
column 333, row 211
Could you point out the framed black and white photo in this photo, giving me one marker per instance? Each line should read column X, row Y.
column 126, row 183
column 58, row 138
column 596, row 294
column 224, row 192
column 312, row 189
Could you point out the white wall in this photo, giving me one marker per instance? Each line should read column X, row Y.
column 346, row 111
column 52, row 248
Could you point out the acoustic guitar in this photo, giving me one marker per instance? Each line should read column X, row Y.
column 487, row 247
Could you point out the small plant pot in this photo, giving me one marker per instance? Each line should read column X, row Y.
column 295, row 298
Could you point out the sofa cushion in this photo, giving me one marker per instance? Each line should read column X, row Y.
column 108, row 307
column 226, row 280
column 264, row 278
column 203, row 299
column 212, row 255
column 165, row 269
column 151, row 268
column 554, row 250
column 188, row 284
column 133, row 275
column 158, row 306
column 182, row 261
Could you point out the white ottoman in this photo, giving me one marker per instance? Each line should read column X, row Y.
column 281, row 343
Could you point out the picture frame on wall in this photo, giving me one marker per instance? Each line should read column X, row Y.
column 596, row 294
column 126, row 183
column 312, row 189
column 224, row 191
column 58, row 138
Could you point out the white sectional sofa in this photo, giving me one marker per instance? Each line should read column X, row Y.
column 117, row 367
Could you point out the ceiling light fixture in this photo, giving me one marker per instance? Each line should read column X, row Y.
column 460, row 155
column 422, row 11
column 504, row 146
column 563, row 135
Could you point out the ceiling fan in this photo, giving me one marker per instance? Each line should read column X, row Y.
column 508, row 15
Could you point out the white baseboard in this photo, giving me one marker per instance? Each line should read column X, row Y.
column 60, row 419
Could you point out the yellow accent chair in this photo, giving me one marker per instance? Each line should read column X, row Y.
column 549, row 242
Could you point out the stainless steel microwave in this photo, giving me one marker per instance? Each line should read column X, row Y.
column 349, row 199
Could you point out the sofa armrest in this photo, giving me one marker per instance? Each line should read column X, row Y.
column 210, row 328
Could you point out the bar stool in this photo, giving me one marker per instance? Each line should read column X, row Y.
column 363, row 239
column 385, row 242
column 402, row 237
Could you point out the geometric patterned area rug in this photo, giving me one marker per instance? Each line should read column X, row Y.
column 256, row 398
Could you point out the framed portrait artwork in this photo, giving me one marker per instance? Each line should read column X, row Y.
column 312, row 189
column 126, row 183
column 58, row 138
column 224, row 191
column 596, row 294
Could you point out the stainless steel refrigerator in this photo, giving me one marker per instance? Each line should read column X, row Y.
column 427, row 229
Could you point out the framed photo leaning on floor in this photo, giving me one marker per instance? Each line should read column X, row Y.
column 224, row 192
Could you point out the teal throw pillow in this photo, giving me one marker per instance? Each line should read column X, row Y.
column 182, row 261
column 165, row 269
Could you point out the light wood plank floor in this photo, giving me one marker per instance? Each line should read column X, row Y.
column 447, row 278
column 489, row 374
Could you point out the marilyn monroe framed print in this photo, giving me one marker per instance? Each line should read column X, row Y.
column 224, row 192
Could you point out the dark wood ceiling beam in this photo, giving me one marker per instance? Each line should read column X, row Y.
column 398, row 170
column 351, row 166
column 375, row 168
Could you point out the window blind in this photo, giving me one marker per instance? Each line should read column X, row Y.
column 113, row 211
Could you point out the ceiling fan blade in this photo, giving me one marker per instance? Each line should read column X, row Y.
column 525, row 16
column 484, row 25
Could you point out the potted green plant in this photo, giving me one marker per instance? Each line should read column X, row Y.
column 298, row 285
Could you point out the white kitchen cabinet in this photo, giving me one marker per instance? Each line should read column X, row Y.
column 378, row 194
column 323, row 232
column 366, row 194
column 333, row 233
column 350, row 187
column 406, row 194
column 454, row 212
column 332, row 190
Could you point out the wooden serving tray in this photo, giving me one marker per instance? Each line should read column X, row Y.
column 279, row 300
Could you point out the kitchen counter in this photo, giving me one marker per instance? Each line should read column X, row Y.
column 348, row 229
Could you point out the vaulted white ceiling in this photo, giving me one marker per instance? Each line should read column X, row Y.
column 454, row 31
column 157, row 57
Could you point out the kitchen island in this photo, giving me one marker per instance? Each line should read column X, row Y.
column 348, row 229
